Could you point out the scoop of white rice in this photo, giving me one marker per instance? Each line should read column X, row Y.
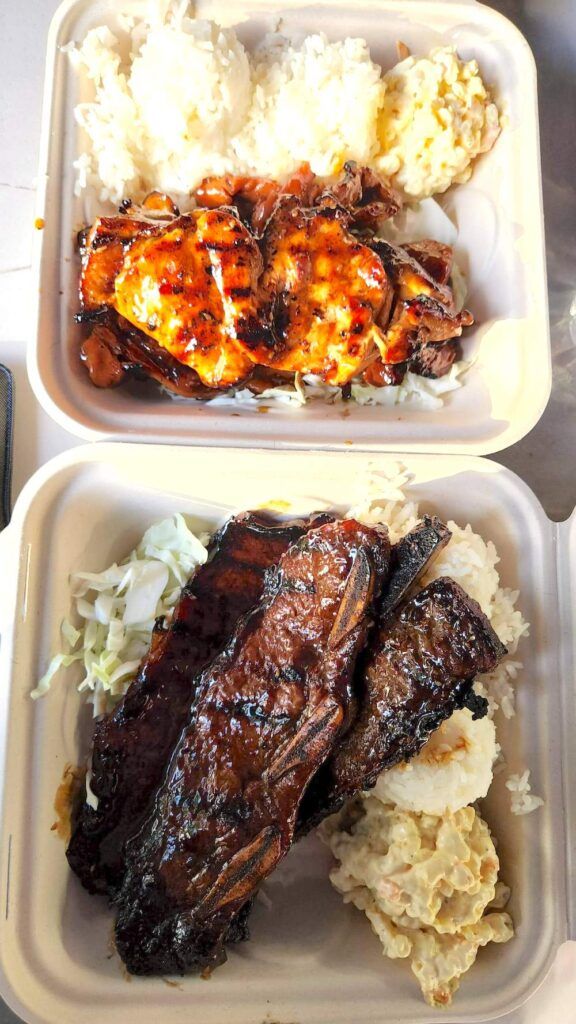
column 187, row 104
column 164, row 119
column 452, row 770
column 318, row 102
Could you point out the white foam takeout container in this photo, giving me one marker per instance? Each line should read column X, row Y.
column 498, row 214
column 311, row 959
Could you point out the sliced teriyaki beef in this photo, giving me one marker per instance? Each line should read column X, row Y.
column 419, row 669
column 409, row 559
column 436, row 258
column 369, row 199
column 133, row 744
column 269, row 711
column 423, row 315
column 435, row 359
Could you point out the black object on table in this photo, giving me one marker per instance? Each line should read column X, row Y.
column 6, row 425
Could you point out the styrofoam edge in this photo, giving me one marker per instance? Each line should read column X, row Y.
column 15, row 1005
column 8, row 547
column 107, row 452
column 510, row 436
column 505, row 440
column 20, row 1008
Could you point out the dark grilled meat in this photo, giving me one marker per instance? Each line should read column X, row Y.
column 115, row 350
column 380, row 374
column 189, row 283
column 409, row 275
column 423, row 311
column 435, row 257
column 265, row 276
column 193, row 289
column 103, row 246
column 269, row 710
column 102, row 250
column 409, row 559
column 132, row 745
column 435, row 360
column 419, row 669
column 256, row 198
column 368, row 200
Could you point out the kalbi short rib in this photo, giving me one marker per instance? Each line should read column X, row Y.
column 269, row 710
column 419, row 669
column 410, row 558
column 133, row 745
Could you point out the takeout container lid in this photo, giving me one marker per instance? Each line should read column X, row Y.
column 311, row 958
column 500, row 246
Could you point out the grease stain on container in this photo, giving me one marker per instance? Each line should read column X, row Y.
column 72, row 779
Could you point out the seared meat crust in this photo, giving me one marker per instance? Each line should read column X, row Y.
column 435, row 360
column 193, row 289
column 133, row 744
column 189, row 283
column 368, row 200
column 115, row 350
column 269, row 710
column 419, row 668
column 423, row 311
column 409, row 559
column 102, row 250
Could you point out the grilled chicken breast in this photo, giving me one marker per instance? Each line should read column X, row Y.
column 190, row 284
column 265, row 278
column 324, row 289
column 193, row 289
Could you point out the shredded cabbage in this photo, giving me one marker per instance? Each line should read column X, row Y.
column 117, row 609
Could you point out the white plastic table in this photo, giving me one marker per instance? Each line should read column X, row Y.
column 546, row 459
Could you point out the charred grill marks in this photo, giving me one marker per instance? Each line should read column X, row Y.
column 189, row 874
column 297, row 283
column 132, row 745
column 419, row 668
column 410, row 559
